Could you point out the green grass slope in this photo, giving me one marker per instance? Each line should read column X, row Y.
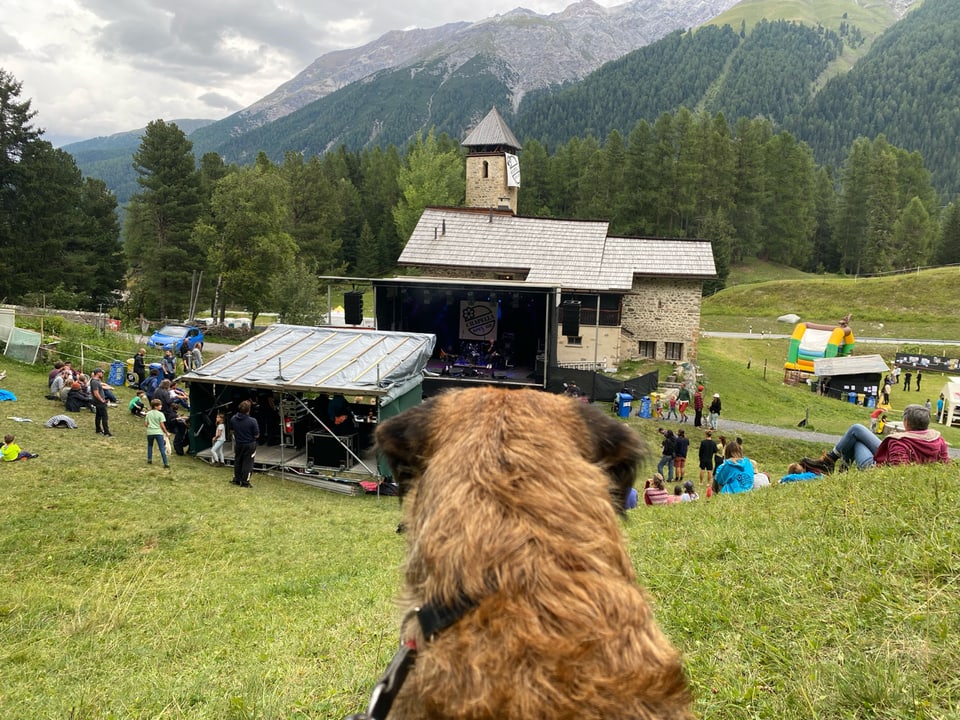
column 131, row 592
column 917, row 305
column 872, row 18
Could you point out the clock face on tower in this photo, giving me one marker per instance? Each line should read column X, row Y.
column 513, row 170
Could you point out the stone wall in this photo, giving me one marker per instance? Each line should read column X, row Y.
column 661, row 311
column 489, row 191
column 601, row 344
column 80, row 317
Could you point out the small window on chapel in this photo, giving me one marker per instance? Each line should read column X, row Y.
column 673, row 351
column 486, row 169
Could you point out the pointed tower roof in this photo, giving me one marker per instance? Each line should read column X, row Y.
column 492, row 134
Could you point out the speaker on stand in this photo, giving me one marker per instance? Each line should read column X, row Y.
column 353, row 308
column 570, row 317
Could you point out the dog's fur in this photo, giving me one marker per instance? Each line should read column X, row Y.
column 511, row 499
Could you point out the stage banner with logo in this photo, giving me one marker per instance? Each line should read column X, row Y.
column 513, row 170
column 478, row 320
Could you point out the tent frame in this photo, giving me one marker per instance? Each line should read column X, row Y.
column 385, row 367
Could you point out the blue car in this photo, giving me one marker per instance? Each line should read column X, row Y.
column 172, row 337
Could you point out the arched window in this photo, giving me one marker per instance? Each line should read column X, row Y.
column 486, row 169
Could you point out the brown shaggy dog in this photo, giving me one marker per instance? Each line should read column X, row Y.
column 510, row 501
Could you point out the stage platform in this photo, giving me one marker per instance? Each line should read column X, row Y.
column 293, row 464
column 513, row 375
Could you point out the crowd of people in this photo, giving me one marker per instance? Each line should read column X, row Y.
column 75, row 389
column 724, row 467
column 159, row 401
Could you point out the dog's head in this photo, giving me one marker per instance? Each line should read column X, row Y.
column 410, row 440
column 502, row 470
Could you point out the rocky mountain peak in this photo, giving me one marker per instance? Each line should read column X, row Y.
column 534, row 50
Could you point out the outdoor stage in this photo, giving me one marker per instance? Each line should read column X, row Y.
column 484, row 374
column 488, row 331
column 295, row 464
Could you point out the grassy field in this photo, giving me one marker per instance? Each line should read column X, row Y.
column 130, row 592
column 919, row 305
column 871, row 18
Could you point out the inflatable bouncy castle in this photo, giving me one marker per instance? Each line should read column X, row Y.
column 810, row 342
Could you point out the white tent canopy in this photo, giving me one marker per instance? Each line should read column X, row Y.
column 852, row 365
column 951, row 401
column 296, row 358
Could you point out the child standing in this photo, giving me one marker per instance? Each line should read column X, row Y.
column 12, row 452
column 672, row 402
column 216, row 452
column 875, row 418
column 156, row 432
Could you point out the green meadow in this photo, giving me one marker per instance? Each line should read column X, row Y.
column 130, row 592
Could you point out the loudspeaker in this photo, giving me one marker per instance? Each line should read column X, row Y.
column 571, row 317
column 353, row 308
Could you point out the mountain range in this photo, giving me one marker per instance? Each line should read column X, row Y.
column 591, row 69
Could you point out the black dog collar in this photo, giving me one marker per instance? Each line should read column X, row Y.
column 433, row 619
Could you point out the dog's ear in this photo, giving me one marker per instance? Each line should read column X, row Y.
column 403, row 440
column 615, row 448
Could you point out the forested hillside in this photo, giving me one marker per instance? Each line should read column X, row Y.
column 903, row 87
column 261, row 233
column 673, row 72
column 771, row 74
column 906, row 87
column 768, row 73
column 388, row 109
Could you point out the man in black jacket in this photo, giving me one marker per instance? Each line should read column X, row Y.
column 708, row 448
column 246, row 430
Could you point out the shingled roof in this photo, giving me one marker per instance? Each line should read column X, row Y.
column 570, row 254
column 492, row 132
column 853, row 365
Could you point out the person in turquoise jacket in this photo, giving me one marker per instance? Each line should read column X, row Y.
column 735, row 474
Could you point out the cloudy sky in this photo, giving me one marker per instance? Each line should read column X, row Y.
column 97, row 67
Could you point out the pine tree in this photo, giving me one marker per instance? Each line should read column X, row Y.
column 368, row 253
column 160, row 249
column 948, row 241
column 912, row 236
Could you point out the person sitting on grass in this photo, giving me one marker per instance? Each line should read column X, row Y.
column 917, row 444
column 179, row 396
column 654, row 493
column 677, row 495
column 796, row 473
column 77, row 398
column 736, row 472
column 12, row 452
column 138, row 405
column 689, row 494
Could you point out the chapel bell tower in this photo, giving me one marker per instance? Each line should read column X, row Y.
column 493, row 169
